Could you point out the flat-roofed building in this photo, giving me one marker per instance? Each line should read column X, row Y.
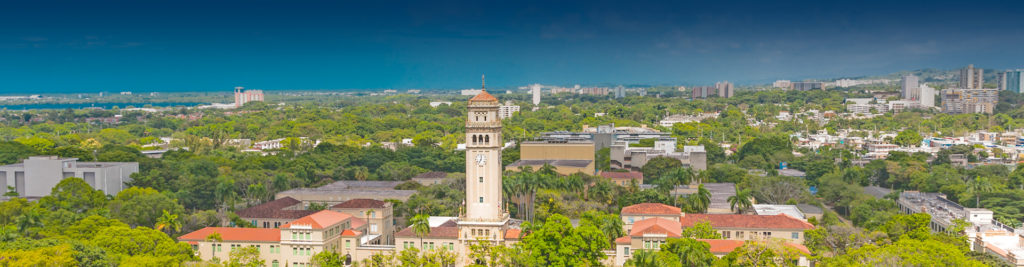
column 36, row 176
column 341, row 191
column 567, row 157
column 624, row 178
column 625, row 155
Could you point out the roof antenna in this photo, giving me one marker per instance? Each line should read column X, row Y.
column 483, row 82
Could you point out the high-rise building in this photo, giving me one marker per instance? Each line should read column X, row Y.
column 1011, row 80
column 725, row 89
column 807, row 86
column 927, row 95
column 960, row 101
column 535, row 90
column 971, row 78
column 910, row 91
column 507, row 110
column 243, row 96
column 620, row 91
column 702, row 92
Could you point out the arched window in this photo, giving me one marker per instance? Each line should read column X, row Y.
column 474, row 139
column 487, row 139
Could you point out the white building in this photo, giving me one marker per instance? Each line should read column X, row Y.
column 910, row 88
column 927, row 96
column 471, row 91
column 507, row 110
column 535, row 91
column 785, row 84
column 36, row 176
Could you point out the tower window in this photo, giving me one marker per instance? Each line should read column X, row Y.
column 481, row 179
column 481, row 199
column 487, row 139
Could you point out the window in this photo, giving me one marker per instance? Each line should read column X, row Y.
column 295, row 251
column 739, row 234
column 373, row 227
column 481, row 179
column 373, row 213
column 348, row 243
column 451, row 246
column 796, row 235
column 195, row 247
column 630, row 219
column 309, row 236
column 625, row 251
column 726, row 234
column 293, row 236
column 275, row 264
column 767, row 234
column 266, row 224
column 219, row 247
column 481, row 199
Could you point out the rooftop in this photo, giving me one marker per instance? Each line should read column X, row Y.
column 484, row 97
column 780, row 221
column 791, row 210
column 656, row 226
column 431, row 175
column 235, row 234
column 275, row 209
column 319, row 220
column 724, row 246
column 552, row 162
column 361, row 203
column 623, row 175
column 447, row 232
column 651, row 209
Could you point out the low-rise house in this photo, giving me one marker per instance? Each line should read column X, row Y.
column 752, row 227
column 624, row 178
column 379, row 216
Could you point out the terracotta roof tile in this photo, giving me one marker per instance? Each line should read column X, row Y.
column 350, row 232
column 623, row 175
column 651, row 209
column 319, row 220
column 483, row 97
column 235, row 234
column 275, row 209
column 623, row 240
column 780, row 221
column 357, row 222
column 656, row 226
column 435, row 232
column 513, row 233
column 361, row 203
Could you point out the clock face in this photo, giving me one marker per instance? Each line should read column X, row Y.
column 481, row 159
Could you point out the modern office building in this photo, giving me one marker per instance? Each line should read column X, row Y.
column 725, row 89
column 1011, row 80
column 910, row 89
column 971, row 78
column 960, row 101
column 243, row 96
column 625, row 155
column 566, row 156
column 927, row 96
column 36, row 176
column 807, row 86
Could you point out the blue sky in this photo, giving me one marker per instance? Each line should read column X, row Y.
column 83, row 46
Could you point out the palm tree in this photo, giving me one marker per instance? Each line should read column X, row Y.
column 702, row 199
column 642, row 258
column 977, row 186
column 741, row 201
column 168, row 221
column 421, row 226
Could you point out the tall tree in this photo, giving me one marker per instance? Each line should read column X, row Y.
column 977, row 186
column 420, row 226
column 740, row 202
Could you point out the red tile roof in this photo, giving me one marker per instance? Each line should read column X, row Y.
column 513, row 233
column 656, row 226
column 435, row 232
column 275, row 209
column 722, row 246
column 357, row 222
column 350, row 232
column 780, row 221
column 623, row 175
column 235, row 234
column 483, row 97
column 651, row 209
column 431, row 175
column 623, row 240
column 319, row 220
column 361, row 203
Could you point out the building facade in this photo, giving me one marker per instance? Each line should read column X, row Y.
column 960, row 101
column 36, row 176
column 909, row 87
column 243, row 96
column 971, row 78
column 807, row 86
column 725, row 89
column 1011, row 80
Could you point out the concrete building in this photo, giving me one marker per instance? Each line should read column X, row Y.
column 430, row 178
column 960, row 101
column 507, row 110
column 243, row 96
column 275, row 213
column 910, row 89
column 927, row 96
column 341, row 191
column 1011, row 80
column 807, row 86
column 703, row 92
column 625, row 155
column 620, row 91
column 603, row 136
column 567, row 157
column 788, row 210
column 36, row 176
column 971, row 78
column 784, row 84
column 535, row 92
column 725, row 89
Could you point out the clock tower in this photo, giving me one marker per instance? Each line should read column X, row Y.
column 484, row 217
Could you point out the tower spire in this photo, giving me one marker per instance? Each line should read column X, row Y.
column 483, row 82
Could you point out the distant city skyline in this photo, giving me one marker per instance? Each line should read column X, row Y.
column 72, row 46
